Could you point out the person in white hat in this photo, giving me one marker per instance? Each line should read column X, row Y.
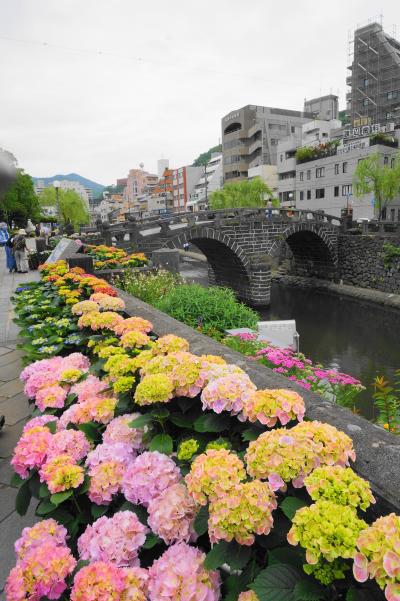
column 20, row 252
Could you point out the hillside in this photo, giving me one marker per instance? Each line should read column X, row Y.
column 88, row 183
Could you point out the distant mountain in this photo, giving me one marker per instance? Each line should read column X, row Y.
column 74, row 177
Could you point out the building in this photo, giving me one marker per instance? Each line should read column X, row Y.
column 162, row 165
column 318, row 175
column 268, row 174
column 250, row 137
column 209, row 181
column 323, row 107
column 138, row 183
column 176, row 186
column 374, row 77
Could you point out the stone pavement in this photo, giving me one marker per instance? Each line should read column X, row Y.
column 14, row 406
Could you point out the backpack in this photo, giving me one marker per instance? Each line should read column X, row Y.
column 19, row 243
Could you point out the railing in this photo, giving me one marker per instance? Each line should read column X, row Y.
column 380, row 227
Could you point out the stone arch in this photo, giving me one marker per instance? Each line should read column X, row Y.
column 313, row 250
column 228, row 264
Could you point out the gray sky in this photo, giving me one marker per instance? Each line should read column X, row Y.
column 75, row 110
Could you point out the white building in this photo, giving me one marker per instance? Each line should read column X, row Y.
column 85, row 193
column 209, row 181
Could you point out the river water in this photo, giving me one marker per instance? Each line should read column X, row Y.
column 341, row 333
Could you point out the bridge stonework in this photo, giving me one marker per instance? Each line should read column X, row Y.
column 242, row 245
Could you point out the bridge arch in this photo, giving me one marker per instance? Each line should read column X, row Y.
column 228, row 263
column 313, row 249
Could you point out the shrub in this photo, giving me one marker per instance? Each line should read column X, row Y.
column 207, row 308
column 150, row 287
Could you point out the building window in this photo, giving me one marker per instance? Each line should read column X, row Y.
column 336, row 168
column 301, row 175
column 391, row 95
column 301, row 195
column 389, row 115
column 385, row 160
column 365, row 101
column 398, row 214
column 347, row 190
column 336, row 191
column 383, row 214
column 309, row 174
column 344, row 167
column 320, row 193
column 366, row 83
column 308, row 194
column 292, row 129
column 392, row 162
column 320, row 172
column 392, row 213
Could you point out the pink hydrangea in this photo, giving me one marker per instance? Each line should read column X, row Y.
column 40, row 420
column 116, row 539
column 332, row 446
column 96, row 409
column 61, row 473
column 226, row 393
column 148, row 476
column 99, row 581
column 41, row 573
column 77, row 361
column 39, row 380
column 35, row 535
column 179, row 575
column 118, row 430
column 116, row 451
column 133, row 323
column 31, row 450
column 72, row 442
column 51, row 397
column 105, row 481
column 43, row 365
column 136, row 584
column 172, row 514
column 269, row 406
column 89, row 388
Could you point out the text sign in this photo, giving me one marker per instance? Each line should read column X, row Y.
column 280, row 333
column 64, row 250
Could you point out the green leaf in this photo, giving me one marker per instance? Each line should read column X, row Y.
column 181, row 422
column 309, row 590
column 290, row 505
column 288, row 555
column 160, row 412
column 52, row 426
column 60, row 497
column 138, row 509
column 201, row 521
column 90, row 430
column 34, row 485
column 16, row 480
column 141, row 421
column 23, row 498
column 251, row 434
column 351, row 594
column 162, row 443
column 212, row 422
column 235, row 555
column 84, row 487
column 277, row 583
column 98, row 510
column 62, row 516
column 45, row 507
column 151, row 541
column 82, row 563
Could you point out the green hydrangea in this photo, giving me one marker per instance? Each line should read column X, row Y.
column 340, row 485
column 220, row 443
column 187, row 449
column 123, row 384
column 327, row 530
column 327, row 572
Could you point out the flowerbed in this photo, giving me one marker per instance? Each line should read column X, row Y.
column 162, row 475
column 111, row 257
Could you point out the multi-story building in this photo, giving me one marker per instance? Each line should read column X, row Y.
column 250, row 137
column 162, row 165
column 85, row 193
column 322, row 179
column 374, row 77
column 210, row 180
column 138, row 183
column 176, row 186
column 325, row 108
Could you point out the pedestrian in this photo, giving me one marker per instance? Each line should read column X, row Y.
column 6, row 241
column 186, row 246
column 269, row 209
column 21, row 252
column 37, row 230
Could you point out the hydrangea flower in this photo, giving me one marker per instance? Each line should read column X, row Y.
column 115, row 540
column 116, row 451
column 123, row 384
column 340, row 485
column 186, row 376
column 213, row 473
column 84, row 307
column 179, row 575
column 157, row 388
column 326, row 530
column 170, row 344
column 40, row 420
column 172, row 514
column 333, row 446
column 51, row 397
column 135, row 339
column 31, row 450
column 186, row 449
column 100, row 581
column 147, row 477
column 269, row 406
column 378, row 555
column 226, row 393
column 89, row 388
column 279, row 457
column 95, row 320
column 41, row 573
column 110, row 303
column 136, row 584
column 133, row 323
column 105, row 481
column 37, row 534
column 248, row 596
column 159, row 364
column 118, row 430
column 61, row 473
column 243, row 511
column 70, row 442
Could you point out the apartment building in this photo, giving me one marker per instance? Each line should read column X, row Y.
column 324, row 107
column 374, row 78
column 250, row 136
column 138, row 183
column 210, row 180
column 323, row 180
column 177, row 185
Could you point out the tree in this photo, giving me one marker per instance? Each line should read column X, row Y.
column 20, row 202
column 205, row 157
column 72, row 208
column 382, row 180
column 246, row 193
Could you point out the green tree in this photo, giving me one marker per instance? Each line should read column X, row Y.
column 20, row 202
column 72, row 208
column 382, row 180
column 205, row 157
column 246, row 193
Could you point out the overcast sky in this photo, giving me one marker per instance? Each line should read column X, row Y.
column 84, row 103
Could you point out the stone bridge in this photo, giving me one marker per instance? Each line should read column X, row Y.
column 241, row 245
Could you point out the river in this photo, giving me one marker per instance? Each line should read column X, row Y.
column 341, row 333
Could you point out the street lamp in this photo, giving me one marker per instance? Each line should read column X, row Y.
column 56, row 185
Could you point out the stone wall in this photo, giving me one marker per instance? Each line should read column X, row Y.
column 360, row 263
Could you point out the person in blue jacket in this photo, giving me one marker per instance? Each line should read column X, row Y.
column 7, row 242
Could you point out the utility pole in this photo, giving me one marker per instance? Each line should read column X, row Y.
column 206, row 183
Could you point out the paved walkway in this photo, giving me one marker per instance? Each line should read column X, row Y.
column 14, row 406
